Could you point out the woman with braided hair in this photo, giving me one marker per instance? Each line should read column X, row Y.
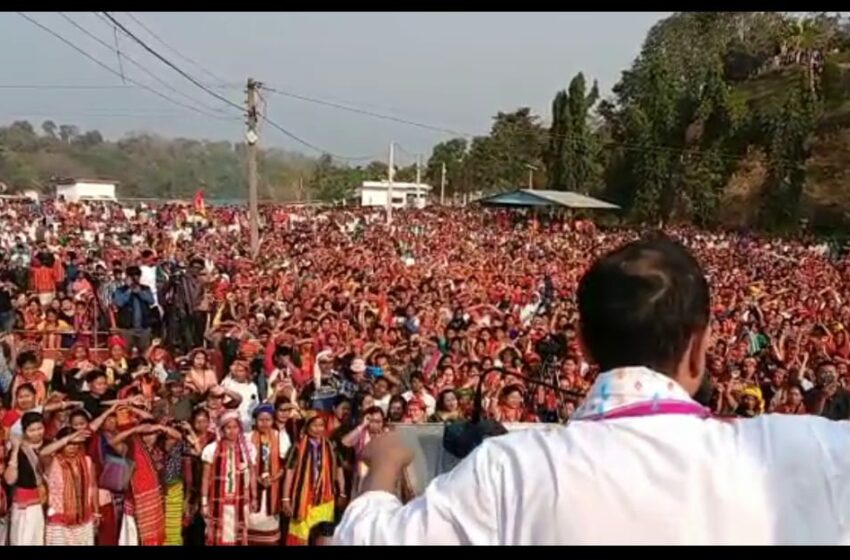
column 228, row 486
column 271, row 447
column 314, row 482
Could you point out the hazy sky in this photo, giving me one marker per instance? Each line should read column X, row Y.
column 453, row 70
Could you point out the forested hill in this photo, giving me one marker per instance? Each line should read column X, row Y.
column 146, row 165
column 723, row 118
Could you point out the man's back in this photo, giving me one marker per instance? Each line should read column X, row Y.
column 666, row 479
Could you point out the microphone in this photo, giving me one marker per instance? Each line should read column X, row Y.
column 462, row 437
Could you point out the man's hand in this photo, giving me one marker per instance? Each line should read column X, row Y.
column 388, row 453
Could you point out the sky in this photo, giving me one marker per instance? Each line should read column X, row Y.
column 453, row 70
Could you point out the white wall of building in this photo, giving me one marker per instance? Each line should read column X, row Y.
column 82, row 190
column 405, row 195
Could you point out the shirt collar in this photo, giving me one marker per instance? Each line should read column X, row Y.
column 628, row 386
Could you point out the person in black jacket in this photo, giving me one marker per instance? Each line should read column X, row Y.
column 134, row 302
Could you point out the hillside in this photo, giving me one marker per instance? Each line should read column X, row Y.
column 145, row 165
column 825, row 200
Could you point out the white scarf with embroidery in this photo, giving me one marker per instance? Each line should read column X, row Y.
column 628, row 386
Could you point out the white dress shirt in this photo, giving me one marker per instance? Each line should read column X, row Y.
column 654, row 479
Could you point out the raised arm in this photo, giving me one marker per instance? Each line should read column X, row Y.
column 95, row 424
column 460, row 507
column 46, row 453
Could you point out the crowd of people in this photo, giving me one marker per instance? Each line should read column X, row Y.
column 162, row 386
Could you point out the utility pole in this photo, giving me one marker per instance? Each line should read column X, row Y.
column 300, row 188
column 252, row 138
column 531, row 170
column 443, row 186
column 418, row 177
column 390, row 186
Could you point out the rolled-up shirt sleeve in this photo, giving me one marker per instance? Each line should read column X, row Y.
column 459, row 507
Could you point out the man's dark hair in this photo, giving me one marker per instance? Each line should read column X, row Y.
column 133, row 364
column 27, row 357
column 641, row 304
column 375, row 409
column 134, row 271
column 325, row 529
column 25, row 387
column 95, row 374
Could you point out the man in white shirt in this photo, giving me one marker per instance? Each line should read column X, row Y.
column 239, row 382
column 148, row 268
column 641, row 462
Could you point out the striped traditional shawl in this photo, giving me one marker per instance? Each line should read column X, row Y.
column 224, row 462
column 70, row 490
column 309, row 490
column 274, row 467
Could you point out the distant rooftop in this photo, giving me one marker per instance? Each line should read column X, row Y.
column 528, row 197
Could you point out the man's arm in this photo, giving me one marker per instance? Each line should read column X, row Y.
column 146, row 296
column 121, row 297
column 460, row 507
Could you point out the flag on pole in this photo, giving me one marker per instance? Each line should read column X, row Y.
column 200, row 208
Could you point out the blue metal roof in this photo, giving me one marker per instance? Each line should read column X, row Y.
column 567, row 199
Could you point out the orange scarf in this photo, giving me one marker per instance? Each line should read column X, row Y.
column 270, row 464
column 74, row 477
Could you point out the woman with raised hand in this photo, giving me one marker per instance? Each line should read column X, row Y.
column 25, row 477
column 73, row 510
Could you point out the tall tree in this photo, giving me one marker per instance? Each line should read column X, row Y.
column 49, row 128
column 450, row 153
column 68, row 132
column 572, row 157
column 788, row 150
column 500, row 161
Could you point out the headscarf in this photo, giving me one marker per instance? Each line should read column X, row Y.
column 265, row 407
column 317, row 372
column 233, row 416
column 754, row 392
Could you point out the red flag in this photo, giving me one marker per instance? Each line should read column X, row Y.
column 200, row 208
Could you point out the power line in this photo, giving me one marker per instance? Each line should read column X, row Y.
column 162, row 41
column 137, row 64
column 171, row 64
column 113, row 71
column 647, row 148
column 313, row 146
column 367, row 112
column 60, row 86
column 128, row 115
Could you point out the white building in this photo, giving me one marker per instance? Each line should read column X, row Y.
column 405, row 195
column 75, row 190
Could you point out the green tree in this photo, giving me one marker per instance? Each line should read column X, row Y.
column 68, row 132
column 450, row 153
column 500, row 160
column 331, row 183
column 788, row 150
column 572, row 160
column 49, row 128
